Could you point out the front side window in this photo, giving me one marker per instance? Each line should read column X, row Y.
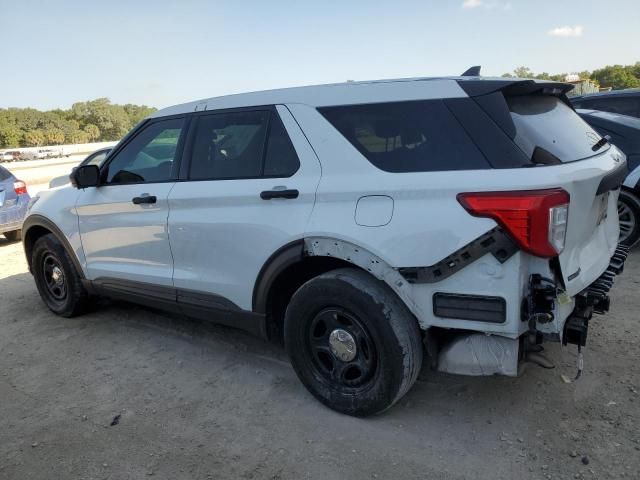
column 229, row 145
column 149, row 157
column 416, row 136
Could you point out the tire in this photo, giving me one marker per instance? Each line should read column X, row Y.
column 14, row 235
column 629, row 217
column 387, row 357
column 57, row 280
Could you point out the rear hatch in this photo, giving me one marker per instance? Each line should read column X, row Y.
column 549, row 134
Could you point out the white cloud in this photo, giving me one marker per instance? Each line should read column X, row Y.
column 566, row 31
column 472, row 3
column 488, row 4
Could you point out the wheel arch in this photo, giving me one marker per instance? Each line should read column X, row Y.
column 297, row 262
column 35, row 227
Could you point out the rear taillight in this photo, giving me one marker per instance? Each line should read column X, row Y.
column 536, row 219
column 20, row 187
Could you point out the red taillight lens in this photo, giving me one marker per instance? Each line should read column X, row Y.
column 536, row 219
column 20, row 187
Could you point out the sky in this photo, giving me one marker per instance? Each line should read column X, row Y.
column 164, row 52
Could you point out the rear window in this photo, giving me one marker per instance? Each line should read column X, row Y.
column 416, row 136
column 4, row 174
column 548, row 125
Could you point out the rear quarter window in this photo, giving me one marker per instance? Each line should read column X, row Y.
column 417, row 136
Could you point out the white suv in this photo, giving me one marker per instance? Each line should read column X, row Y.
column 364, row 224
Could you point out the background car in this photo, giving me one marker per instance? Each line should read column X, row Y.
column 625, row 134
column 14, row 200
column 624, row 102
column 96, row 158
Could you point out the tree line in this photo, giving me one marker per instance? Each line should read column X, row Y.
column 91, row 121
column 612, row 76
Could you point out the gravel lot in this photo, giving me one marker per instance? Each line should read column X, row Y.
column 197, row 401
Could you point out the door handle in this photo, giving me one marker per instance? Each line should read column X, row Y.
column 286, row 193
column 144, row 199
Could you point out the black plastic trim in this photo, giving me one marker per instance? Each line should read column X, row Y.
column 477, row 308
column 613, row 179
column 498, row 149
column 202, row 305
column 281, row 259
column 496, row 241
column 40, row 221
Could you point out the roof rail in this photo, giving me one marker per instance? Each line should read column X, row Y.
column 472, row 72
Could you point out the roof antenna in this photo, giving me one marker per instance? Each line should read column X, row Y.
column 472, row 72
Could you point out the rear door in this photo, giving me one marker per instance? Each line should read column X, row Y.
column 123, row 222
column 249, row 190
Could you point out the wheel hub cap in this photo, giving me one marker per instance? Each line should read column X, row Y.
column 57, row 275
column 342, row 345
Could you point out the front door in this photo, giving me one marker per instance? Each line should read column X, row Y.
column 123, row 222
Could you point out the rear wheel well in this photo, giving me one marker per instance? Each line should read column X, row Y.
column 288, row 282
column 30, row 237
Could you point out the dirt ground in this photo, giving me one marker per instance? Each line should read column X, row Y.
column 197, row 401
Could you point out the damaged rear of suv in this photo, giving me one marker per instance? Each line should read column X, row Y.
column 363, row 224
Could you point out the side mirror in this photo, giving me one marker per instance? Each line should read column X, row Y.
column 85, row 176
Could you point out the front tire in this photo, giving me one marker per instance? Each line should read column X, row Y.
column 14, row 235
column 352, row 342
column 629, row 217
column 57, row 280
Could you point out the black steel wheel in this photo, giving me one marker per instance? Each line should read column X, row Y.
column 341, row 347
column 352, row 342
column 54, row 277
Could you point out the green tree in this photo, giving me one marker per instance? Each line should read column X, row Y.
column 53, row 136
column 93, row 132
column 33, row 138
column 10, row 136
column 617, row 76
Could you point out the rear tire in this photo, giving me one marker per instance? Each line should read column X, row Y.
column 629, row 217
column 57, row 280
column 14, row 235
column 352, row 342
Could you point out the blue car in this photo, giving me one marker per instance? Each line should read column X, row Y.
column 14, row 200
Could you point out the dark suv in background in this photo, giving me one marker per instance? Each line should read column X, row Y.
column 624, row 102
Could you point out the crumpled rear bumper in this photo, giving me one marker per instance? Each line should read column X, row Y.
column 593, row 299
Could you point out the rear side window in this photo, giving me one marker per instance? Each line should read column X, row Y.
column 417, row 136
column 4, row 174
column 549, row 130
column 281, row 159
column 239, row 145
column 229, row 145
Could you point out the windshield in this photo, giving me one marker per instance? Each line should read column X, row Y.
column 547, row 124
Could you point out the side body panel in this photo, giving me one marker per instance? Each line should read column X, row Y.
column 428, row 223
column 222, row 232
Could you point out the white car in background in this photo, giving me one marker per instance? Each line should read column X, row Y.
column 364, row 224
